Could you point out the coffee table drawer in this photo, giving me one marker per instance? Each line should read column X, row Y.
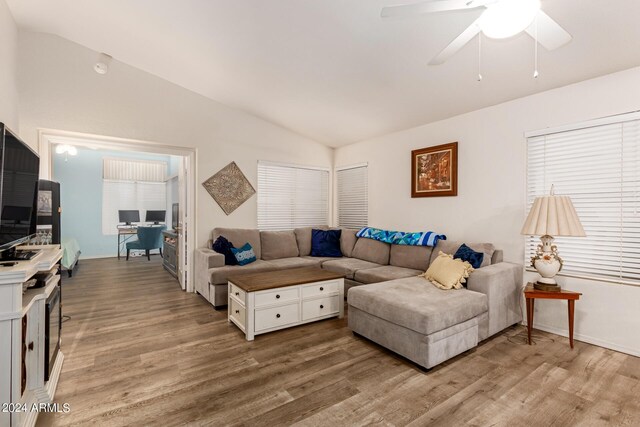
column 238, row 313
column 276, row 296
column 237, row 292
column 320, row 307
column 274, row 317
column 323, row 288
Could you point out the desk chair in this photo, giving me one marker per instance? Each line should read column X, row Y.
column 148, row 238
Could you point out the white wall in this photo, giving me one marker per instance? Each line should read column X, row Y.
column 8, row 68
column 60, row 90
column 491, row 193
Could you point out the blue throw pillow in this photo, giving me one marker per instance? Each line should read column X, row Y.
column 244, row 255
column 326, row 243
column 465, row 253
column 223, row 246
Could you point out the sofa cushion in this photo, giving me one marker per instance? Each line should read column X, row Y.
column 384, row 273
column 325, row 243
column 348, row 241
column 465, row 253
column 372, row 251
column 417, row 305
column 348, row 266
column 223, row 246
column 448, row 273
column 293, row 262
column 219, row 275
column 240, row 236
column 319, row 260
column 278, row 244
column 415, row 257
column 245, row 254
column 450, row 247
column 303, row 237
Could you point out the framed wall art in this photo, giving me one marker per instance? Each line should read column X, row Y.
column 434, row 171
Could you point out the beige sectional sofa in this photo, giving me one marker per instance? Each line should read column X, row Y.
column 396, row 309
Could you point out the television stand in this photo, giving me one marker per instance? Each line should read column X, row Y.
column 12, row 254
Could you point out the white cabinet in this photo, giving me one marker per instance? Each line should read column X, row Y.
column 269, row 310
column 22, row 339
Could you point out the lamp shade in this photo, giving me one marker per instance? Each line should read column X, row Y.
column 553, row 216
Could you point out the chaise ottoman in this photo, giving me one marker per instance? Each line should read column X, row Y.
column 415, row 319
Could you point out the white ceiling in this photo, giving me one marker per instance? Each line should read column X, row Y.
column 332, row 70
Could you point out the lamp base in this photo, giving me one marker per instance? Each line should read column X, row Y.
column 546, row 287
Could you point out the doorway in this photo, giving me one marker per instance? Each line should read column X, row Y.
column 182, row 177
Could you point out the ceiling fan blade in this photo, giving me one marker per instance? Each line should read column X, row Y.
column 457, row 44
column 430, row 6
column 550, row 34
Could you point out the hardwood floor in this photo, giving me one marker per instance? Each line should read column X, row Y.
column 139, row 351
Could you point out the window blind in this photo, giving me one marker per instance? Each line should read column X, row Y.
column 131, row 185
column 292, row 196
column 353, row 197
column 134, row 170
column 599, row 168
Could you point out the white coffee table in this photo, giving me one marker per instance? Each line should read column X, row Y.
column 265, row 302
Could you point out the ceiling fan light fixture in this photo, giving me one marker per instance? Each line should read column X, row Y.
column 506, row 18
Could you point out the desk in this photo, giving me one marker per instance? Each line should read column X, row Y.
column 124, row 235
column 531, row 294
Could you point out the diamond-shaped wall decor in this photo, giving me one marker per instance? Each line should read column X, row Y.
column 229, row 188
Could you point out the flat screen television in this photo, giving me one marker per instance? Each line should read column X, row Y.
column 128, row 216
column 19, row 170
column 155, row 216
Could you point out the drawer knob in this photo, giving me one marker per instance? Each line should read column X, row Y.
column 237, row 293
column 321, row 288
column 278, row 315
column 237, row 311
column 30, row 347
column 321, row 306
column 278, row 297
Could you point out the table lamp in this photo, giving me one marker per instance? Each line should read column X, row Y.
column 550, row 216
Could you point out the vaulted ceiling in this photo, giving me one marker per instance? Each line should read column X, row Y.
column 333, row 70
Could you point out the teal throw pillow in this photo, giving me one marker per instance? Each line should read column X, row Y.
column 244, row 254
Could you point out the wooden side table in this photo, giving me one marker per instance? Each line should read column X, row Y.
column 531, row 294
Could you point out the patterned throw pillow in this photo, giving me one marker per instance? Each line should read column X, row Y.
column 465, row 253
column 448, row 273
column 244, row 255
column 223, row 246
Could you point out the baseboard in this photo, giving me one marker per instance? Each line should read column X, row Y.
column 587, row 339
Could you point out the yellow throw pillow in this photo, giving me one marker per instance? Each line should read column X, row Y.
column 448, row 273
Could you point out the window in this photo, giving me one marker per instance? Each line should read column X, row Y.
column 597, row 164
column 131, row 185
column 292, row 196
column 353, row 196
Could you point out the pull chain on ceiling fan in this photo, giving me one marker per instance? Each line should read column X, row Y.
column 500, row 19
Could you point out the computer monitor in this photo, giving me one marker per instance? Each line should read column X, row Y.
column 129, row 216
column 156, row 216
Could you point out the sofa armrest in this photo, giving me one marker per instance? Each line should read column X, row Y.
column 502, row 283
column 204, row 260
column 209, row 258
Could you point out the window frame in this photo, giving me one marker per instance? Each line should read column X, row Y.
column 267, row 163
column 594, row 123
column 337, row 193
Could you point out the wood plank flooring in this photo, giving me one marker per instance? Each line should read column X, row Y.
column 139, row 351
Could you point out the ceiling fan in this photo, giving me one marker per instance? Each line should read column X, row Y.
column 500, row 19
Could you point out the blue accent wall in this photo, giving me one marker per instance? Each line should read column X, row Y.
column 80, row 179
